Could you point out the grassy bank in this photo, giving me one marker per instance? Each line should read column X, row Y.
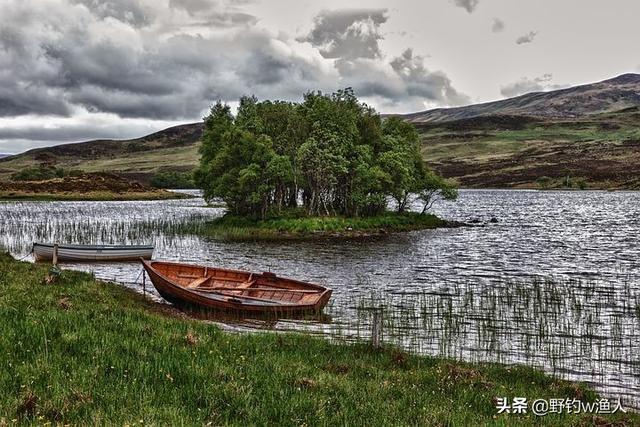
column 90, row 353
column 100, row 196
column 291, row 227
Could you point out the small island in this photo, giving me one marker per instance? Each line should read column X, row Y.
column 329, row 166
column 233, row 227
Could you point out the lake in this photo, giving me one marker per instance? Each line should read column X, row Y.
column 553, row 283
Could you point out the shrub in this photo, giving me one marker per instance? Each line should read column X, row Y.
column 173, row 180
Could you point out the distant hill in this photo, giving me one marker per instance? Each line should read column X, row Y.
column 170, row 150
column 607, row 96
column 4, row 155
column 582, row 137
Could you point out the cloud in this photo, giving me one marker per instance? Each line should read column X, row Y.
column 23, row 133
column 526, row 38
column 351, row 38
column 434, row 86
column 143, row 61
column 88, row 65
column 348, row 33
column 127, row 11
column 469, row 5
column 497, row 26
column 527, row 85
column 403, row 81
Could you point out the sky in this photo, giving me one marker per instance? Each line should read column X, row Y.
column 74, row 70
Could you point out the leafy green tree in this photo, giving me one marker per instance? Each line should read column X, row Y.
column 330, row 152
column 216, row 124
column 433, row 188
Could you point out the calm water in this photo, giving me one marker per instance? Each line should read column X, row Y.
column 553, row 284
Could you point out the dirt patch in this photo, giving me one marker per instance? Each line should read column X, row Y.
column 88, row 186
column 84, row 183
column 600, row 165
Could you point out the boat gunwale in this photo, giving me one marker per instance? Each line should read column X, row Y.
column 94, row 247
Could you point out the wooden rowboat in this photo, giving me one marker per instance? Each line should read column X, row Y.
column 83, row 253
column 236, row 291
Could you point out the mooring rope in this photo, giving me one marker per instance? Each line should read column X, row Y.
column 139, row 274
column 27, row 255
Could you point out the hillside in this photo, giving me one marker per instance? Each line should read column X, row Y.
column 171, row 150
column 607, row 96
column 582, row 137
column 599, row 151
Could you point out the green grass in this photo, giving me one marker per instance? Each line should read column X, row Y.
column 83, row 352
column 233, row 227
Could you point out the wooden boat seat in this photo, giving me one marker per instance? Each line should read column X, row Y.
column 197, row 282
column 245, row 285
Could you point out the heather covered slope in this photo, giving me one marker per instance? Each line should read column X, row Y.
column 599, row 151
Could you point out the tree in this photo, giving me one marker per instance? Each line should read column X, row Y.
column 433, row 187
column 331, row 152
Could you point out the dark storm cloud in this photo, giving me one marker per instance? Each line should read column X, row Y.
column 469, row 5
column 82, row 68
column 348, row 34
column 497, row 26
column 26, row 85
column 67, row 133
column 93, row 55
column 526, row 38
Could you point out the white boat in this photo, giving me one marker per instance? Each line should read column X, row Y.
column 44, row 252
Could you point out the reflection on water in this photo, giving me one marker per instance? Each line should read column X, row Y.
column 553, row 284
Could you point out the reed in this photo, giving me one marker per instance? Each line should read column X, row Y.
column 84, row 352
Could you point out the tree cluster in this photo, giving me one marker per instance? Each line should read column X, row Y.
column 330, row 154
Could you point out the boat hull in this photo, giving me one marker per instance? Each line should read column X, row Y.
column 92, row 253
column 230, row 301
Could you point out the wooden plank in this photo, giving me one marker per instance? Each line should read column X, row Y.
column 241, row 297
column 302, row 291
column 197, row 282
column 188, row 276
column 246, row 284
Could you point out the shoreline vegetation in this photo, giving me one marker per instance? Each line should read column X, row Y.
column 85, row 352
column 235, row 227
column 80, row 187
